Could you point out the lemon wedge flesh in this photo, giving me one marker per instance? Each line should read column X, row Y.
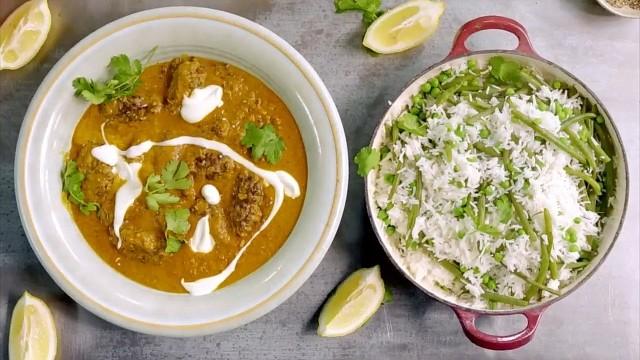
column 24, row 33
column 32, row 335
column 403, row 27
column 354, row 302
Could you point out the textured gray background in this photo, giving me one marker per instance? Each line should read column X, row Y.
column 599, row 321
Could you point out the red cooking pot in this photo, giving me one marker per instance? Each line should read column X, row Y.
column 525, row 54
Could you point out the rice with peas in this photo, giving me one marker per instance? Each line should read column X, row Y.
column 465, row 177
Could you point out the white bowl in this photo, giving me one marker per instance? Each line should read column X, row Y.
column 620, row 11
column 45, row 138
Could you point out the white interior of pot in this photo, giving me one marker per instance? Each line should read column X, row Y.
column 613, row 219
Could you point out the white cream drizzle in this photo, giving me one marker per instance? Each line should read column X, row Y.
column 126, row 194
column 201, row 241
column 211, row 194
column 200, row 103
column 282, row 182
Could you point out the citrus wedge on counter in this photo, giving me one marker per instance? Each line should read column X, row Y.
column 33, row 333
column 24, row 33
column 403, row 27
column 354, row 302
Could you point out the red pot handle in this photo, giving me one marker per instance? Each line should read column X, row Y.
column 491, row 23
column 495, row 342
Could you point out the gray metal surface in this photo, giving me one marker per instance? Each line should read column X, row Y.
column 599, row 321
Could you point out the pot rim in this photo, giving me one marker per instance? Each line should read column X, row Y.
column 575, row 285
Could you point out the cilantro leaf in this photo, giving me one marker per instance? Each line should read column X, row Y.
column 506, row 71
column 177, row 221
column 126, row 71
column 173, row 245
column 72, row 179
column 155, row 200
column 370, row 16
column 370, row 8
column 360, row 5
column 366, row 159
column 174, row 175
column 263, row 142
column 505, row 210
column 411, row 124
column 153, row 184
column 125, row 80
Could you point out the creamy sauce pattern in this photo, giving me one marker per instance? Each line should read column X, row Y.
column 211, row 194
column 200, row 103
column 202, row 241
column 282, row 182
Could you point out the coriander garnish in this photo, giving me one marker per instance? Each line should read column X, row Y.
column 263, row 142
column 370, row 8
column 125, row 80
column 174, row 177
column 177, row 221
column 366, row 159
column 72, row 179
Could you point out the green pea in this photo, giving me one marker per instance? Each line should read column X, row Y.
column 460, row 234
column 426, row 87
column 442, row 77
column 434, row 82
column 484, row 133
column 556, row 84
column 570, row 235
column 435, row 91
column 510, row 91
column 485, row 278
column 574, row 248
column 504, row 184
column 600, row 119
column 382, row 215
column 577, row 220
column 476, row 82
column 390, row 230
column 491, row 284
column 488, row 191
column 472, row 63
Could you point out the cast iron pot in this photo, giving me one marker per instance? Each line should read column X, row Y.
column 523, row 53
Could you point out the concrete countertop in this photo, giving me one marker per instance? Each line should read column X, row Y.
column 598, row 321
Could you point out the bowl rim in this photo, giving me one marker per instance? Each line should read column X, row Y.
column 539, row 306
column 623, row 11
column 324, row 240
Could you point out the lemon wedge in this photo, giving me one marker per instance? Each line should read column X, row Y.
column 354, row 302
column 403, row 27
column 32, row 335
column 24, row 33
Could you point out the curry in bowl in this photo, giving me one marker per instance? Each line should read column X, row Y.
column 186, row 175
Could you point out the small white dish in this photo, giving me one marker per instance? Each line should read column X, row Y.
column 620, row 11
column 45, row 138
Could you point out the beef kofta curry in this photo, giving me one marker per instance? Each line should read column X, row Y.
column 186, row 175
